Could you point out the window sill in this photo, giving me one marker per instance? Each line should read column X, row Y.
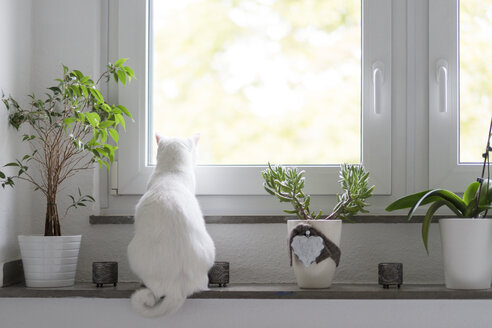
column 260, row 291
column 255, row 219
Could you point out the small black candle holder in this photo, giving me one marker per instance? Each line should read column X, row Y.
column 390, row 274
column 104, row 273
column 219, row 274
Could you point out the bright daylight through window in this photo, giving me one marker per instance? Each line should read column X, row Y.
column 261, row 81
column 475, row 77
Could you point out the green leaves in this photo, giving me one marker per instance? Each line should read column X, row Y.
column 73, row 119
column 120, row 62
column 22, row 168
column 122, row 76
column 354, row 180
column 114, row 134
column 129, row 71
column 466, row 207
column 287, row 184
column 124, row 110
column 80, row 201
column 93, row 119
column 121, row 73
column 97, row 95
column 486, row 193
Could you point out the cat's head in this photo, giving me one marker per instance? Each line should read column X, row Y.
column 176, row 152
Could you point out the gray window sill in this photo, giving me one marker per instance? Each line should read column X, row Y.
column 128, row 219
column 267, row 291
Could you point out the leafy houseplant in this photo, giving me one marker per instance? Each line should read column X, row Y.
column 70, row 129
column 287, row 184
column 467, row 239
column 314, row 242
column 475, row 203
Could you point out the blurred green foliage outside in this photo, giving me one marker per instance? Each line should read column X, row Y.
column 280, row 80
column 475, row 77
column 260, row 80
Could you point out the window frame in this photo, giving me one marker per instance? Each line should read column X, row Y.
column 445, row 169
column 133, row 172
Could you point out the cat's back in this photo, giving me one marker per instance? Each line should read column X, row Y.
column 166, row 196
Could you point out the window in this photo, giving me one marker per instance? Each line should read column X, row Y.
column 459, row 92
column 262, row 81
column 307, row 49
column 475, row 21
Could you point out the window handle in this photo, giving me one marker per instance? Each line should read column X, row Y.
column 377, row 84
column 442, row 82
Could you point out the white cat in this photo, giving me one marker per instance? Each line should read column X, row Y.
column 171, row 250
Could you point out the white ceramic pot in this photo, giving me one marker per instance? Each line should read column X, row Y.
column 49, row 261
column 467, row 252
column 317, row 275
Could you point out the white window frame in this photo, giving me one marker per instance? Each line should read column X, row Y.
column 445, row 169
column 133, row 171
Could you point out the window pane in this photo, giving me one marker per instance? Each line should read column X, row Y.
column 261, row 81
column 475, row 77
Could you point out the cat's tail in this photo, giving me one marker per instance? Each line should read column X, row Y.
column 145, row 302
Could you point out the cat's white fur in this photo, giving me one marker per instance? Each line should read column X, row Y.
column 171, row 251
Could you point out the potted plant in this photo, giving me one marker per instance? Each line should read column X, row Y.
column 466, row 239
column 314, row 241
column 69, row 130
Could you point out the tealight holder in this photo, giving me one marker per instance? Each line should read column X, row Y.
column 390, row 274
column 219, row 274
column 104, row 273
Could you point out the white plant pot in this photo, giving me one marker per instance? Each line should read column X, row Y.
column 467, row 252
column 49, row 261
column 317, row 275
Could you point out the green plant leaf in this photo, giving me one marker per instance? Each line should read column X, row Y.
column 428, row 219
column 406, row 202
column 122, row 76
column 84, row 91
column 2, row 175
column 106, row 124
column 483, row 208
column 69, row 120
column 269, row 190
column 471, row 192
column 129, row 71
column 12, row 164
column 118, row 118
column 97, row 95
column 114, row 134
column 55, row 90
column 93, row 119
column 103, row 135
column 78, row 74
column 486, row 193
column 106, row 164
column 120, row 62
column 441, row 194
column 125, row 111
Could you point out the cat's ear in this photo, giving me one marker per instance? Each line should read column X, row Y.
column 195, row 138
column 158, row 137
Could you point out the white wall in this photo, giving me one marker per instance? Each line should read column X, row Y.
column 81, row 313
column 15, row 79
